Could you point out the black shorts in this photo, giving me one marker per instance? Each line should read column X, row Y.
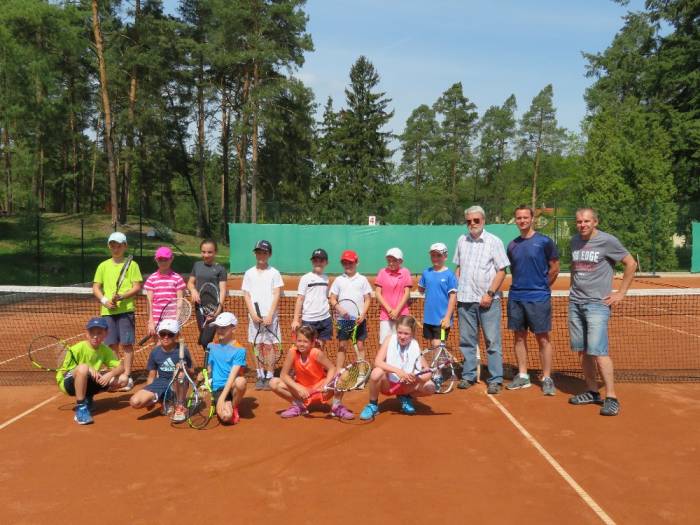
column 431, row 331
column 93, row 387
column 324, row 328
column 216, row 394
column 361, row 333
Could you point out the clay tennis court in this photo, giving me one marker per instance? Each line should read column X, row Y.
column 465, row 456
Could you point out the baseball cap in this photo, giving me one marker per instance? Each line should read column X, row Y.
column 319, row 253
column 396, row 253
column 117, row 237
column 97, row 322
column 263, row 245
column 225, row 319
column 164, row 253
column 169, row 325
column 349, row 255
column 439, row 247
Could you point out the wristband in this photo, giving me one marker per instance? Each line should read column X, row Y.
column 491, row 293
column 104, row 300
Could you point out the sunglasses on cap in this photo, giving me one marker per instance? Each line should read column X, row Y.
column 473, row 221
column 165, row 333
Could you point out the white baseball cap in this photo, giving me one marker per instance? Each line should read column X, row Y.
column 439, row 247
column 117, row 237
column 169, row 325
column 225, row 319
column 396, row 253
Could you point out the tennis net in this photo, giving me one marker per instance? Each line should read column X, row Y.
column 654, row 334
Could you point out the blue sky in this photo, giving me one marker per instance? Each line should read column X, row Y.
column 495, row 48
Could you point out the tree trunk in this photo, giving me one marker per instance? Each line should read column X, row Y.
column 94, row 164
column 74, row 161
column 203, row 223
column 107, row 111
column 225, row 138
column 242, row 150
column 254, row 155
column 8, row 168
column 130, row 153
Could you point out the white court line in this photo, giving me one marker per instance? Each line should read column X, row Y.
column 588, row 500
column 27, row 412
column 662, row 326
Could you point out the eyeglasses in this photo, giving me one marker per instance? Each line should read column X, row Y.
column 473, row 221
column 166, row 334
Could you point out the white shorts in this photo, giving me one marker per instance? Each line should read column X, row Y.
column 265, row 335
column 386, row 328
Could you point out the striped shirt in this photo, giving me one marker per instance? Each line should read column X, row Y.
column 164, row 287
column 479, row 260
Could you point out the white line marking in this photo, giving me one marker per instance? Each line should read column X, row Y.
column 555, row 465
column 662, row 326
column 27, row 412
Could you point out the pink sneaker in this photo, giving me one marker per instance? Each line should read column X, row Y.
column 294, row 411
column 341, row 412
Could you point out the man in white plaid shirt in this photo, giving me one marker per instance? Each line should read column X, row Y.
column 481, row 267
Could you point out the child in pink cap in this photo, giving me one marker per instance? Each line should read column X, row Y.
column 162, row 287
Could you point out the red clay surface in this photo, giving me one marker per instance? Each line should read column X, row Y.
column 459, row 460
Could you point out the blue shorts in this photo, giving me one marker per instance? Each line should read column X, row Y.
column 120, row 329
column 324, row 328
column 588, row 328
column 158, row 387
column 535, row 316
column 93, row 387
column 361, row 333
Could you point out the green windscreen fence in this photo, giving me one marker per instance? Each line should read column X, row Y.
column 292, row 244
column 695, row 257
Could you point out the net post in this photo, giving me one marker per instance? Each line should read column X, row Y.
column 38, row 248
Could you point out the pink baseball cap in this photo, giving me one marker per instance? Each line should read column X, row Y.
column 164, row 253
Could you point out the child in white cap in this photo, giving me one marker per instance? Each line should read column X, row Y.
column 439, row 284
column 393, row 289
column 226, row 363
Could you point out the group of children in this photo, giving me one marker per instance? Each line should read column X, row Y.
column 306, row 369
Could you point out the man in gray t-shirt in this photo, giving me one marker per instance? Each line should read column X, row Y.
column 593, row 257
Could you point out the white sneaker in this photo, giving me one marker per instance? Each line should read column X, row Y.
column 128, row 386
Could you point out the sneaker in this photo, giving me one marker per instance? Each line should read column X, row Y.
column 548, row 386
column 236, row 418
column 260, row 384
column 369, row 411
column 494, row 388
column 170, row 410
column 82, row 415
column 407, row 405
column 180, row 414
column 128, row 386
column 340, row 411
column 519, row 382
column 611, row 407
column 293, row 411
column 586, row 398
column 465, row 383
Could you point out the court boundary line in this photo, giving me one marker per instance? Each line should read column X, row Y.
column 587, row 499
column 28, row 411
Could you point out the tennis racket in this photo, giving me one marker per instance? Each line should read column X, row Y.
column 268, row 354
column 351, row 377
column 200, row 405
column 347, row 312
column 178, row 309
column 120, row 280
column 51, row 354
column 180, row 384
column 435, row 369
column 442, row 362
column 209, row 302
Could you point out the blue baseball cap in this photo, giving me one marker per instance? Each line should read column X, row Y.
column 97, row 322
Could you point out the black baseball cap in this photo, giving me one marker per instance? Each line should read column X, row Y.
column 319, row 253
column 263, row 245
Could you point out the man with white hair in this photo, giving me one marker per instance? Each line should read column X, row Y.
column 481, row 263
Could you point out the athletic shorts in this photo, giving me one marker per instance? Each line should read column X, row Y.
column 386, row 328
column 120, row 329
column 361, row 333
column 158, row 387
column 216, row 394
column 93, row 387
column 535, row 316
column 324, row 328
column 588, row 328
column 432, row 331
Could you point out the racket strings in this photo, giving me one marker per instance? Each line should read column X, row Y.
column 48, row 352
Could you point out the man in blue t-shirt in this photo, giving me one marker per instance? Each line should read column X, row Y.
column 534, row 263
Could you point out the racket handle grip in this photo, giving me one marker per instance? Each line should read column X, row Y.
column 442, row 334
column 257, row 309
column 181, row 350
column 143, row 341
